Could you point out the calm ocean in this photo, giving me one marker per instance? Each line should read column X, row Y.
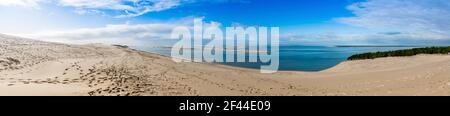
column 302, row 58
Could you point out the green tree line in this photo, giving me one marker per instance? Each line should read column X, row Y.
column 400, row 53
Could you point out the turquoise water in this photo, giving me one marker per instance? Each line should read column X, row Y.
column 303, row 58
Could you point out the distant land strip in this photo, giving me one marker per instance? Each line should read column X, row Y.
column 376, row 46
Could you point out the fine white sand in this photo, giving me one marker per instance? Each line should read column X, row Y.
column 30, row 67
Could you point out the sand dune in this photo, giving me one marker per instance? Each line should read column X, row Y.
column 30, row 67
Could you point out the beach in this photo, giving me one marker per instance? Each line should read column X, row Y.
column 31, row 67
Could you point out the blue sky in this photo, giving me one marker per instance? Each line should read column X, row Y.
column 261, row 12
column 318, row 22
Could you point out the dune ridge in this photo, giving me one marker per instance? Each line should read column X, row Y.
column 32, row 67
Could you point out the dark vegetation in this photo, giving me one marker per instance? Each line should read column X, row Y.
column 121, row 46
column 401, row 53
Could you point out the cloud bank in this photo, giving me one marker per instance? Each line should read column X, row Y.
column 127, row 8
column 123, row 8
column 128, row 34
column 425, row 19
column 21, row 3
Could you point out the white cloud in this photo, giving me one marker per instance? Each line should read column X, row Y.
column 121, row 8
column 131, row 8
column 389, row 22
column 143, row 8
column 119, row 34
column 129, row 34
column 22, row 3
column 96, row 4
column 128, row 8
column 411, row 16
column 87, row 12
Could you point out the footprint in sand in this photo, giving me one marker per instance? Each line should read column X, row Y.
column 91, row 93
column 25, row 82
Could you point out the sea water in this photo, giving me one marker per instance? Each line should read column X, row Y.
column 301, row 58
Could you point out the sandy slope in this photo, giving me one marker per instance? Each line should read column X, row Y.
column 29, row 67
